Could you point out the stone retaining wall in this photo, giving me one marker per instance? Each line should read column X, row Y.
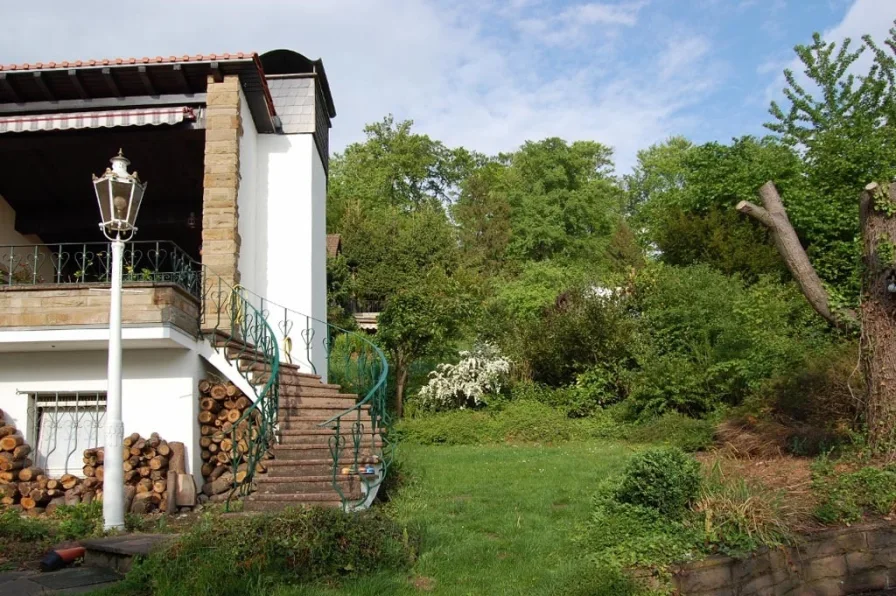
column 843, row 561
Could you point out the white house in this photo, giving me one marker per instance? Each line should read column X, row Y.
column 231, row 248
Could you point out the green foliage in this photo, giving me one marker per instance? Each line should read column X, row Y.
column 707, row 339
column 79, row 521
column 248, row 555
column 667, row 480
column 844, row 128
column 522, row 420
column 622, row 534
column 848, row 496
column 13, row 526
column 675, row 430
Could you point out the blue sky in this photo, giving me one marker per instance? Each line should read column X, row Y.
column 490, row 74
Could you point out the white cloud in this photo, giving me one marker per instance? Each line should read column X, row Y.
column 455, row 69
column 580, row 22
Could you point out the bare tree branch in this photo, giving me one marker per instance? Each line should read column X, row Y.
column 774, row 217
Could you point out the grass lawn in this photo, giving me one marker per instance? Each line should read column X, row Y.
column 498, row 519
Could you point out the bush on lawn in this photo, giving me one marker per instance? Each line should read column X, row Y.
column 667, row 480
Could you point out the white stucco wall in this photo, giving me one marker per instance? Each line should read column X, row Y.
column 291, row 197
column 159, row 389
column 251, row 211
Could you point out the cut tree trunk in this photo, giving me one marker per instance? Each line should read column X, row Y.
column 878, row 356
column 774, row 217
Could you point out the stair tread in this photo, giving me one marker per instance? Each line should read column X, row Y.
column 318, row 496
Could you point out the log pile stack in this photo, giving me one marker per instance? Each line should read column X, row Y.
column 146, row 466
column 150, row 466
column 223, row 432
column 25, row 486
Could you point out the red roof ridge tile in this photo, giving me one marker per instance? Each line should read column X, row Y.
column 132, row 60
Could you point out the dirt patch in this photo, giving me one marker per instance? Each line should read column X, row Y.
column 423, row 584
column 749, row 437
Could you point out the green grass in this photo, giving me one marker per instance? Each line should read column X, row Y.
column 498, row 519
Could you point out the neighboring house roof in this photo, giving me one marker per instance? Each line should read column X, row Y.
column 126, row 61
column 334, row 244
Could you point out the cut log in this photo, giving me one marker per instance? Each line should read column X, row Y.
column 144, row 485
column 8, row 476
column 159, row 486
column 131, row 476
column 72, row 497
column 217, row 472
column 141, row 503
column 204, row 442
column 54, row 503
column 129, row 493
column 145, row 471
column 223, row 456
column 10, row 465
column 99, row 473
column 7, row 430
column 10, row 442
column 233, row 415
column 131, row 439
column 208, row 404
column 30, row 473
column 100, row 455
column 207, row 469
column 52, row 483
column 226, row 445
column 213, row 448
column 229, row 403
column 149, row 453
column 21, row 451
column 219, row 485
column 27, row 503
column 158, row 475
column 87, row 497
column 39, row 496
column 205, row 454
column 171, row 495
column 207, row 430
column 68, row 481
column 218, row 392
column 177, row 460
column 186, row 490
column 242, row 403
column 232, row 390
column 89, row 471
column 205, row 386
column 218, row 437
column 164, row 448
column 158, row 462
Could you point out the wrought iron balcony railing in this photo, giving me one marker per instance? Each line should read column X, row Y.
column 91, row 262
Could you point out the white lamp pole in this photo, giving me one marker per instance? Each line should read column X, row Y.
column 119, row 194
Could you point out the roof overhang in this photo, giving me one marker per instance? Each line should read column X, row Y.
column 122, row 84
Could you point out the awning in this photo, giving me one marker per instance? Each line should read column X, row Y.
column 108, row 119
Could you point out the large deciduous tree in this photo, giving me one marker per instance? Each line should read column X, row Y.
column 848, row 134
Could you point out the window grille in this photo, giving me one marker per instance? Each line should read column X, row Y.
column 63, row 425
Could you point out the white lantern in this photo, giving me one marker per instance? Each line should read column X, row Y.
column 119, row 194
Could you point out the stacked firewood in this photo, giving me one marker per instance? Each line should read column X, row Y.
column 26, row 486
column 146, row 466
column 224, row 432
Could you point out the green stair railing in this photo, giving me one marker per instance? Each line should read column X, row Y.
column 241, row 333
column 360, row 446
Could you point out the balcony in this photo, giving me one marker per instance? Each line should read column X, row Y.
column 66, row 285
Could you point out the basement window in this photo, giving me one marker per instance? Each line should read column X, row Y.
column 63, row 425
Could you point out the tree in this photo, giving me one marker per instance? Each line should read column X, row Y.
column 396, row 167
column 849, row 139
column 482, row 214
column 419, row 321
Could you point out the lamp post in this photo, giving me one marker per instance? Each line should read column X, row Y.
column 119, row 195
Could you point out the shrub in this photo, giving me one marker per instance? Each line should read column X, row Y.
column 846, row 497
column 480, row 371
column 520, row 420
column 676, row 430
column 15, row 527
column 248, row 555
column 821, row 392
column 667, row 480
column 622, row 534
column 79, row 521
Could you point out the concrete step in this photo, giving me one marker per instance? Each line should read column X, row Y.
column 288, row 421
column 304, row 452
column 308, row 484
column 321, row 439
column 342, row 401
column 309, row 467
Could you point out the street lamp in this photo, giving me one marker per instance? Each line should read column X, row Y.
column 119, row 195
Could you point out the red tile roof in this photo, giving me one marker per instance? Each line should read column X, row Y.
column 129, row 61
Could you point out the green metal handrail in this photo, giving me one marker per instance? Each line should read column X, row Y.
column 242, row 333
column 363, row 370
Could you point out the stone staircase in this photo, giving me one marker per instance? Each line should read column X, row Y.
column 301, row 471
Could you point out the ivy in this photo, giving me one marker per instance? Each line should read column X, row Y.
column 886, row 251
column 882, row 202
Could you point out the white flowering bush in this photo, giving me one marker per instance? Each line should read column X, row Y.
column 481, row 371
